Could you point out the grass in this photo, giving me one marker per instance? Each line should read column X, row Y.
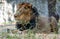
column 6, row 35
column 29, row 35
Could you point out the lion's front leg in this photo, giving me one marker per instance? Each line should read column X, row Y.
column 53, row 25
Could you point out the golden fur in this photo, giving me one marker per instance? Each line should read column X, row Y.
column 25, row 14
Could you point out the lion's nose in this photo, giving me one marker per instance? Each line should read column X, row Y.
column 15, row 16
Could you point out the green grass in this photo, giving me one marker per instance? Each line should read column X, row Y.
column 29, row 35
column 6, row 35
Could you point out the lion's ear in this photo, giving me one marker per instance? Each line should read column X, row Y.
column 19, row 5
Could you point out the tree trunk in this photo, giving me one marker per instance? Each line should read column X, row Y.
column 51, row 7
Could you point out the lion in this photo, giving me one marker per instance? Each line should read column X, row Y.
column 27, row 17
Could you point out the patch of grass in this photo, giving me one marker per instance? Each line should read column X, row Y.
column 11, row 37
column 29, row 35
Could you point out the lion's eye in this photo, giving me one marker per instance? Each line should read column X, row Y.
column 28, row 7
column 25, row 7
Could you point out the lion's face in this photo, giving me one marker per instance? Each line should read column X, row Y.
column 24, row 15
column 24, row 12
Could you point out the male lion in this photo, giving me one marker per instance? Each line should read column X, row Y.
column 27, row 17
